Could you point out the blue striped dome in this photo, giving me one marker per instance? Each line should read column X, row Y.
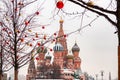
column 58, row 47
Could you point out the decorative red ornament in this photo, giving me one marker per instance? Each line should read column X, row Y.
column 53, row 40
column 20, row 3
column 12, row 16
column 42, row 47
column 26, row 23
column 51, row 50
column 37, row 58
column 60, row 4
column 12, row 1
column 44, row 38
column 25, row 35
column 33, row 39
column 16, row 9
column 22, row 40
column 36, row 35
column 10, row 33
column 0, row 55
column 18, row 31
column 37, row 13
column 0, row 23
column 55, row 34
column 43, row 27
column 4, row 29
column 30, row 45
column 38, row 44
column 17, row 56
column 11, row 48
column 65, row 36
column 7, row 42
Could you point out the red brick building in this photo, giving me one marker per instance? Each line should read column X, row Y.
column 64, row 66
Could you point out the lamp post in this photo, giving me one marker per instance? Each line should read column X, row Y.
column 96, row 76
column 102, row 74
column 109, row 75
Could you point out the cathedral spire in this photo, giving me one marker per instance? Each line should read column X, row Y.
column 31, row 69
column 61, row 32
column 61, row 38
column 32, row 63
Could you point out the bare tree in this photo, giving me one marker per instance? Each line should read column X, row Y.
column 19, row 35
column 106, row 13
column 4, row 57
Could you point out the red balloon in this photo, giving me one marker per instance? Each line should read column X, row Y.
column 60, row 4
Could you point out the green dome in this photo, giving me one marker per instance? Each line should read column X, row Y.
column 69, row 56
column 41, row 50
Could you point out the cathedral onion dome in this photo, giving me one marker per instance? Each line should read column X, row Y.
column 61, row 21
column 48, row 56
column 69, row 56
column 75, row 48
column 58, row 47
column 41, row 50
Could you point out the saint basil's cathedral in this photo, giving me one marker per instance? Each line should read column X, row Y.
column 64, row 65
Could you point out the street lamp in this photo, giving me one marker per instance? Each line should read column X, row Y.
column 96, row 76
column 102, row 74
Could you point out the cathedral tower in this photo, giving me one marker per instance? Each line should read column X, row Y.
column 31, row 69
column 48, row 59
column 62, row 38
column 77, row 60
column 58, row 58
column 69, row 63
column 41, row 60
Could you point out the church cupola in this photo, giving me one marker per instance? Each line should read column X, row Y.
column 75, row 48
column 48, row 56
column 58, row 47
column 41, row 49
column 31, row 69
column 69, row 56
column 61, row 21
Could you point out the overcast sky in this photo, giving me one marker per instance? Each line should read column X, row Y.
column 98, row 43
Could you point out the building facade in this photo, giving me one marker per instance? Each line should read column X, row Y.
column 64, row 66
